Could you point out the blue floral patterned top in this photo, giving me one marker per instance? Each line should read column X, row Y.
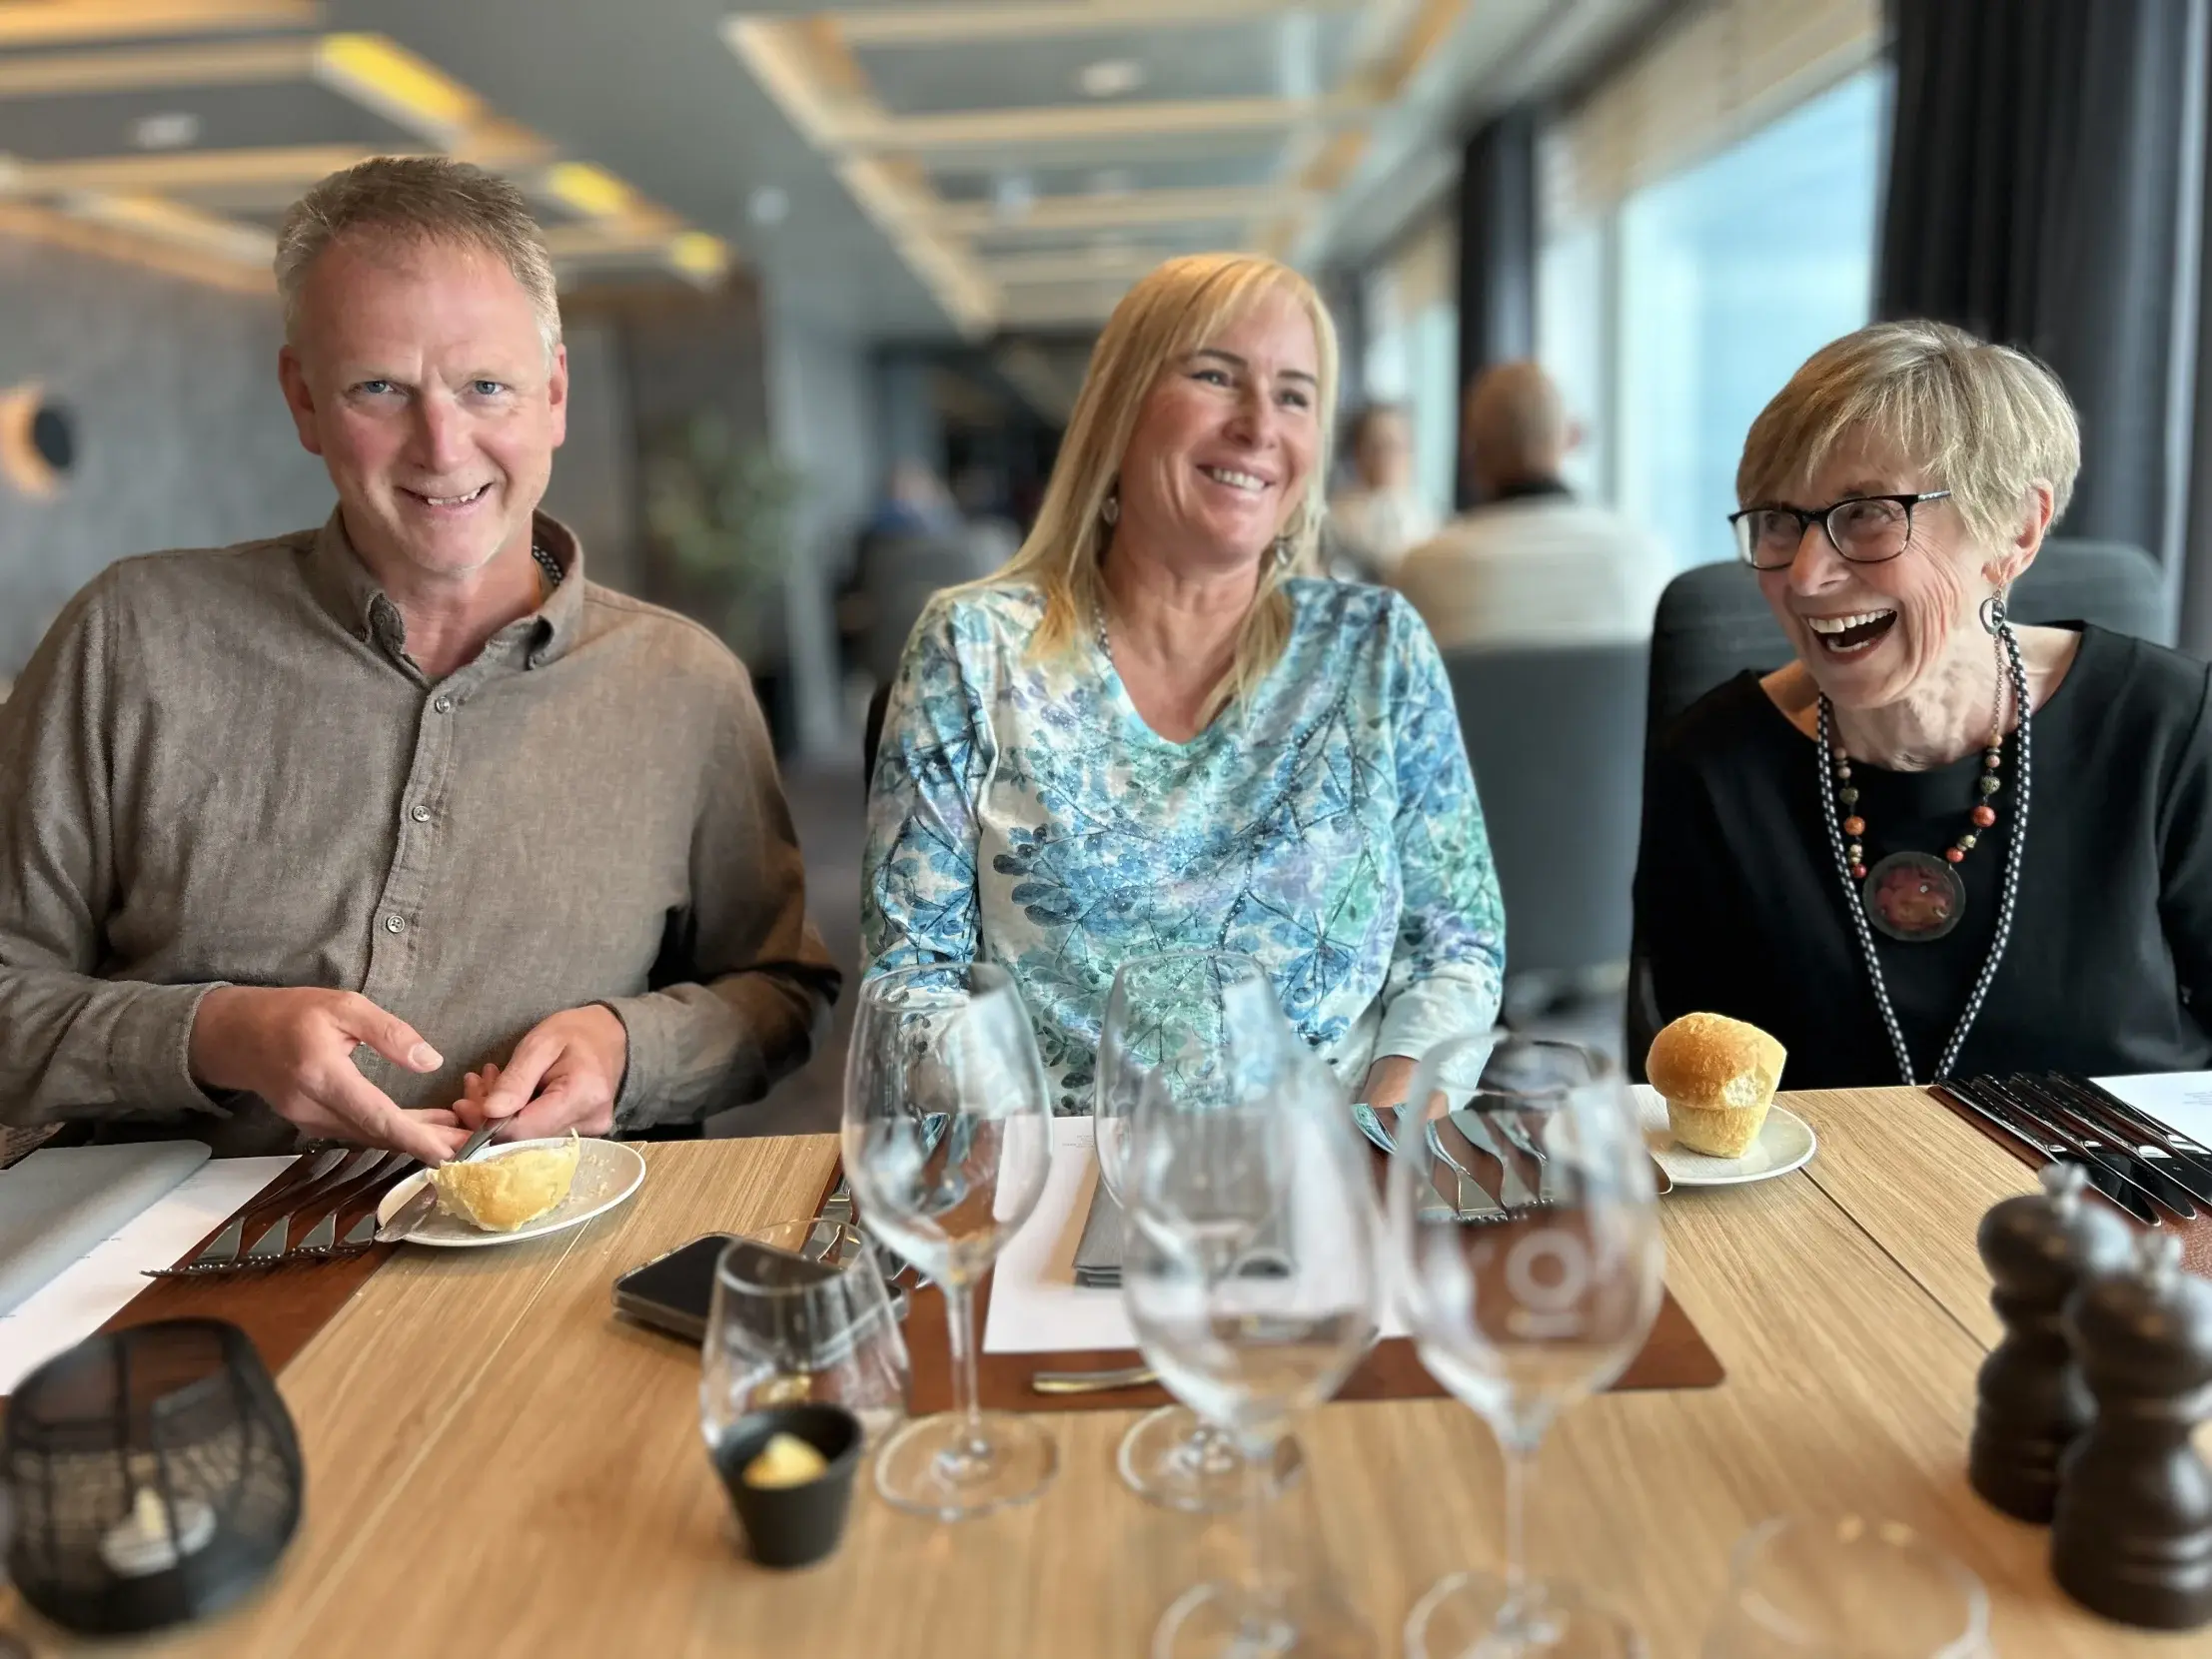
column 1023, row 811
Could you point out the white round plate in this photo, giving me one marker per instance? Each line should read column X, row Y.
column 608, row 1172
column 1786, row 1141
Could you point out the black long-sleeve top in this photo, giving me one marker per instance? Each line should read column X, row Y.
column 1740, row 911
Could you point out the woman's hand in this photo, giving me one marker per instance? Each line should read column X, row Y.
column 1387, row 1082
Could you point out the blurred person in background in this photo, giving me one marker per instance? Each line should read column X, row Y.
column 1374, row 521
column 1833, row 851
column 918, row 543
column 1531, row 565
column 375, row 831
column 1152, row 732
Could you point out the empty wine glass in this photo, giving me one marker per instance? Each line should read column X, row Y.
column 1203, row 1024
column 1249, row 1278
column 1527, row 1238
column 1848, row 1587
column 948, row 1138
column 787, row 1329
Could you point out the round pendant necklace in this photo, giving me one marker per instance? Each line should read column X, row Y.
column 1912, row 896
column 1915, row 896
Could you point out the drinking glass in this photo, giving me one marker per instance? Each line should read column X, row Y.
column 779, row 1333
column 1201, row 1024
column 1249, row 1278
column 1847, row 1587
column 948, row 1138
column 1527, row 1241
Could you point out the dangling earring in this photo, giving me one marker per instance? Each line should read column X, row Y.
column 1993, row 612
column 1110, row 508
column 1282, row 552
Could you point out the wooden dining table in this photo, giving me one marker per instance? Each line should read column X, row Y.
column 498, row 1465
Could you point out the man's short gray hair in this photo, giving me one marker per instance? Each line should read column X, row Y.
column 418, row 198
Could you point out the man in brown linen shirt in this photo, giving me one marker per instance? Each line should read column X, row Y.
column 372, row 831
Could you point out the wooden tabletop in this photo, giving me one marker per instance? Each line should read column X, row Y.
column 497, row 1466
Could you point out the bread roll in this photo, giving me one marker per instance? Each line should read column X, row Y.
column 510, row 1190
column 1718, row 1076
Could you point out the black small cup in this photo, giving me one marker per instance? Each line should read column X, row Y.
column 792, row 1526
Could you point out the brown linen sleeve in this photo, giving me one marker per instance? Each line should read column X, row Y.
column 72, row 1045
column 743, row 979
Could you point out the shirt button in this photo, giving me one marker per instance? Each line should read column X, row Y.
column 394, row 924
column 443, row 705
column 421, row 815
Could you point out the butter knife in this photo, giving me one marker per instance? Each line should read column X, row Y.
column 417, row 1210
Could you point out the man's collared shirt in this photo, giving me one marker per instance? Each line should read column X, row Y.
column 222, row 767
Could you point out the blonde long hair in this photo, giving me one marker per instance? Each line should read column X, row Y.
column 1168, row 315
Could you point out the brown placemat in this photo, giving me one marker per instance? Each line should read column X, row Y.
column 280, row 1307
column 2195, row 1236
column 1675, row 1356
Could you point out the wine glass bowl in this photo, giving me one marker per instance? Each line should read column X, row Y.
column 1200, row 1025
column 947, row 1141
column 1525, row 1233
column 1250, row 1276
column 1848, row 1587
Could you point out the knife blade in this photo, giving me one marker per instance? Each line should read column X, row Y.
column 2152, row 1175
column 417, row 1210
column 2055, row 1145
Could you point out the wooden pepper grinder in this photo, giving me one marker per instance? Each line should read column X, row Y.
column 2132, row 1536
column 2031, row 1402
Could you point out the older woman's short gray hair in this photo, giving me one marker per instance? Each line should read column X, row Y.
column 1985, row 422
column 429, row 199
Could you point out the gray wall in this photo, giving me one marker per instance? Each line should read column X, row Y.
column 822, row 412
column 182, row 436
column 593, row 490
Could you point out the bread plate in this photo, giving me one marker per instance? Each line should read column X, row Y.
column 1785, row 1143
column 608, row 1172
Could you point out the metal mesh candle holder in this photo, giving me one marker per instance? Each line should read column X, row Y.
column 154, row 1475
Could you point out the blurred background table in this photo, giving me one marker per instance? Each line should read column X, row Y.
column 497, row 1466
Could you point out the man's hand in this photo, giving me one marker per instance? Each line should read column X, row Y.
column 295, row 1049
column 565, row 1075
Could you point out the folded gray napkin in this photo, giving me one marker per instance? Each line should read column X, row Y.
column 1098, row 1251
column 60, row 1202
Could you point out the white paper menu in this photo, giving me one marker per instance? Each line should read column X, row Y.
column 2180, row 1100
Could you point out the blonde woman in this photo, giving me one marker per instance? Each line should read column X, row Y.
column 1152, row 732
column 1937, row 844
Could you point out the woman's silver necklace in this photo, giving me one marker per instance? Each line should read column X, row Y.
column 1914, row 896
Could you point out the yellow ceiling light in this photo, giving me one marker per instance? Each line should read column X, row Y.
column 698, row 256
column 387, row 78
column 591, row 191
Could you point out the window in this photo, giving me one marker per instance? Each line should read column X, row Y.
column 1671, row 319
column 1413, row 353
column 1732, row 275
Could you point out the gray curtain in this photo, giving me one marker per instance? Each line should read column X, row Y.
column 1497, row 250
column 2041, row 158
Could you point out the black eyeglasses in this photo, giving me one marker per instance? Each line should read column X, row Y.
column 1867, row 529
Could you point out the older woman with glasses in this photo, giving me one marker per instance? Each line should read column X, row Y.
column 1938, row 843
column 1150, row 732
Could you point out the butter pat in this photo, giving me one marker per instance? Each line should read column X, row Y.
column 786, row 1460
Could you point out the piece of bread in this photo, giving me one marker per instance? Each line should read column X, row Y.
column 508, row 1189
column 1719, row 1077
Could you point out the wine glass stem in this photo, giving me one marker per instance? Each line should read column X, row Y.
column 1519, row 1455
column 960, row 1329
column 1262, row 1610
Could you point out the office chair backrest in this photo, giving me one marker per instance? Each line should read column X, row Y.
column 1713, row 622
column 1556, row 739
